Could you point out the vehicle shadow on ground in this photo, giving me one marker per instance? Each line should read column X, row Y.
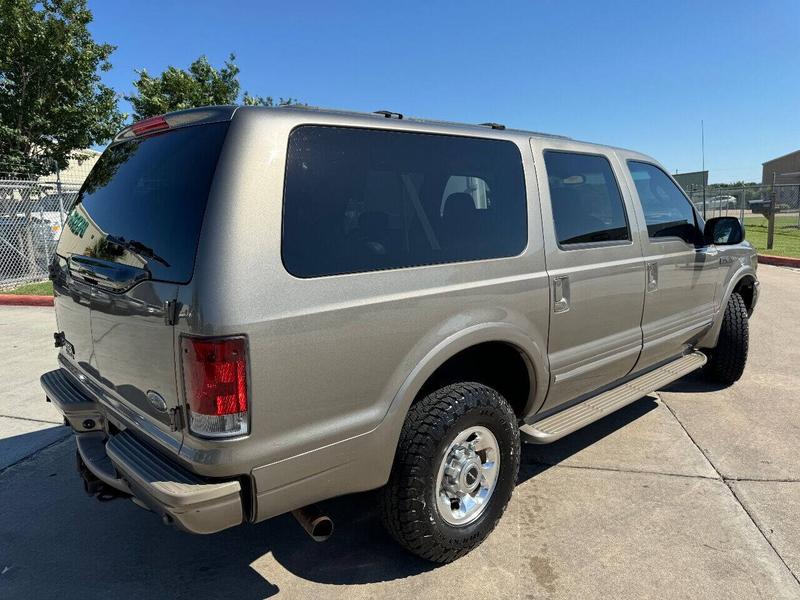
column 695, row 382
column 17, row 447
column 56, row 541
column 538, row 458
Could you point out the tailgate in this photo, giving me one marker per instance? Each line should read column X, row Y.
column 129, row 242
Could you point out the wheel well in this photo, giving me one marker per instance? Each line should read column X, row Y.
column 746, row 288
column 498, row 365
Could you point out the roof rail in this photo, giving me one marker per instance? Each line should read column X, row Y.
column 389, row 114
column 494, row 125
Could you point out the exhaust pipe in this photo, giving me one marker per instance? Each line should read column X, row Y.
column 318, row 525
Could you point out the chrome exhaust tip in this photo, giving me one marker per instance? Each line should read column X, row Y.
column 316, row 524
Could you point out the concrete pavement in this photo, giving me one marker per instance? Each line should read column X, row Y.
column 691, row 492
column 27, row 423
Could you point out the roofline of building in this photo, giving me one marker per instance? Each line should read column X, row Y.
column 780, row 157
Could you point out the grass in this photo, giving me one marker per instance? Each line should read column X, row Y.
column 42, row 288
column 787, row 235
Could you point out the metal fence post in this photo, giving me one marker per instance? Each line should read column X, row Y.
column 60, row 197
column 771, row 214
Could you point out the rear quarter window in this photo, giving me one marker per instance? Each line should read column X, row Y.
column 360, row 200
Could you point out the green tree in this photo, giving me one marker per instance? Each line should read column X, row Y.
column 52, row 102
column 199, row 85
column 249, row 100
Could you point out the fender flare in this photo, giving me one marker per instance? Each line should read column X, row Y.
column 710, row 339
column 532, row 351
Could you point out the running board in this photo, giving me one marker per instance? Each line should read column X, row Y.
column 590, row 410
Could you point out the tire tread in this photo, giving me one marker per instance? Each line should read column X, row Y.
column 728, row 359
column 428, row 422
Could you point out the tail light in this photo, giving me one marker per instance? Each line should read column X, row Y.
column 215, row 380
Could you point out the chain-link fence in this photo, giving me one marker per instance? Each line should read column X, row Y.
column 744, row 201
column 32, row 214
column 770, row 213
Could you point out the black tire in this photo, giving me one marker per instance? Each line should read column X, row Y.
column 728, row 359
column 408, row 501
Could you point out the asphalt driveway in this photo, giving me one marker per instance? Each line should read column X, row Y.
column 691, row 492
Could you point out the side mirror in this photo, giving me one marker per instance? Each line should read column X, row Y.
column 723, row 231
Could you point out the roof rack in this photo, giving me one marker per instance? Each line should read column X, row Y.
column 389, row 114
column 494, row 125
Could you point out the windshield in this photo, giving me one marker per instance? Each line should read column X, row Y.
column 143, row 203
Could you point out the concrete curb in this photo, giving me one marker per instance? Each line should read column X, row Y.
column 22, row 300
column 779, row 261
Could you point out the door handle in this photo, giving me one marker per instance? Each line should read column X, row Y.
column 560, row 294
column 652, row 276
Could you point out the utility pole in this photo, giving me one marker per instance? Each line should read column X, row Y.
column 703, row 170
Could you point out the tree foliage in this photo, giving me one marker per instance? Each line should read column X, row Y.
column 200, row 85
column 249, row 100
column 176, row 89
column 51, row 99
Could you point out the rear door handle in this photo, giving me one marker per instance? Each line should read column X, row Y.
column 652, row 276
column 560, row 294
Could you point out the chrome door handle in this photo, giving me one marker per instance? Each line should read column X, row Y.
column 560, row 294
column 652, row 276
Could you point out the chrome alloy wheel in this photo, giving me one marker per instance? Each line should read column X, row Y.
column 467, row 476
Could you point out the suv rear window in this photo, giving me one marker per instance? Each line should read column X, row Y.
column 143, row 203
column 364, row 200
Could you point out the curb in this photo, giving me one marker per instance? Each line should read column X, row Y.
column 779, row 261
column 21, row 300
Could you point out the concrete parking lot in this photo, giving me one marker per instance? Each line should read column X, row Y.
column 691, row 492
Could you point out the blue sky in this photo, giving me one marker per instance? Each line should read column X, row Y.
column 634, row 74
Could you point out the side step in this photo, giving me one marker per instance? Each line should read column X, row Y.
column 590, row 410
column 76, row 407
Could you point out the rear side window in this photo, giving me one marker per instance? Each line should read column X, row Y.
column 363, row 200
column 143, row 203
column 587, row 205
column 667, row 212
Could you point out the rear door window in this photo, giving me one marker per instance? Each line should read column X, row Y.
column 586, row 201
column 363, row 200
column 667, row 212
column 143, row 203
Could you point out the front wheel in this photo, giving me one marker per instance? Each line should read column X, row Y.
column 455, row 469
column 728, row 359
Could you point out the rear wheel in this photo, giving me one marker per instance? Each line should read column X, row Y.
column 455, row 469
column 728, row 359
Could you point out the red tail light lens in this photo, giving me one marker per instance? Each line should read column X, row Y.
column 215, row 380
column 150, row 125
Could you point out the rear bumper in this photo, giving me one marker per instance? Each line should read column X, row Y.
column 125, row 463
